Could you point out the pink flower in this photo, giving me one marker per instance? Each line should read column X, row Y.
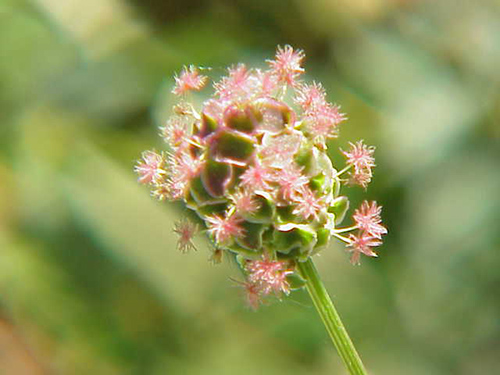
column 310, row 96
column 321, row 118
column 360, row 156
column 224, row 229
column 322, row 121
column 235, row 86
column 362, row 243
column 175, row 132
column 308, row 205
column 361, row 177
column 190, row 79
column 183, row 167
column 151, row 168
column 256, row 177
column 286, row 65
column 368, row 220
column 291, row 181
column 271, row 275
column 244, row 202
column 186, row 231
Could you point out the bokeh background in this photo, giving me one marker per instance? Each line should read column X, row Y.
column 90, row 279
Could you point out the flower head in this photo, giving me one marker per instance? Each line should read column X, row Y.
column 252, row 163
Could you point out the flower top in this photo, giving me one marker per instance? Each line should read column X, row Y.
column 252, row 163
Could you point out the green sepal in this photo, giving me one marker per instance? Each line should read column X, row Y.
column 208, row 125
column 211, row 210
column 284, row 215
column 305, row 158
column 232, row 148
column 299, row 237
column 200, row 194
column 244, row 253
column 323, row 239
column 240, row 119
column 317, row 183
column 339, row 208
column 190, row 201
column 215, row 175
column 236, row 172
column 252, row 239
column 264, row 213
column 295, row 281
column 241, row 261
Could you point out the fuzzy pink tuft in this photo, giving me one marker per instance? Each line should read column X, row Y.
column 368, row 220
column 175, row 132
column 223, row 229
column 152, row 167
column 236, row 86
column 286, row 66
column 183, row 167
column 308, row 204
column 271, row 275
column 360, row 156
column 256, row 177
column 362, row 243
column 190, row 79
column 322, row 121
column 291, row 181
column 308, row 97
column 244, row 202
column 186, row 230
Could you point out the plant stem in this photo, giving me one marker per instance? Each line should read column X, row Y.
column 331, row 318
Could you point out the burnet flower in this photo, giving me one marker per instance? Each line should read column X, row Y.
column 252, row 163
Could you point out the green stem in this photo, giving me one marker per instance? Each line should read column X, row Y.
column 331, row 318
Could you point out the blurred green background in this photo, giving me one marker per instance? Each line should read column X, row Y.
column 90, row 280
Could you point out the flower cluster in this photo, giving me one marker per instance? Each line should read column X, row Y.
column 254, row 168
